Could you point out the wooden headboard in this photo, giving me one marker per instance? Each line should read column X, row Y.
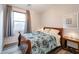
column 60, row 33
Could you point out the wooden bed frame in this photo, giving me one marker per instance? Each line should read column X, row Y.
column 24, row 41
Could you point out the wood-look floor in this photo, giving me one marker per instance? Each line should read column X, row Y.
column 14, row 49
column 11, row 47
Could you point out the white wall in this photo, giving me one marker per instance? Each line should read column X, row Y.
column 35, row 20
column 52, row 18
column 1, row 28
column 55, row 15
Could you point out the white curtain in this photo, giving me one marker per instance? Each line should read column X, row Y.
column 28, row 22
column 9, row 22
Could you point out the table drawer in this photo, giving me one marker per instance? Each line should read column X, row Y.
column 72, row 44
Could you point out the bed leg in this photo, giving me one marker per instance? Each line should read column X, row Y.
column 19, row 39
column 29, row 47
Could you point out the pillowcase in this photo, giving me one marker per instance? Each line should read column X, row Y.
column 47, row 30
column 54, row 31
column 44, row 30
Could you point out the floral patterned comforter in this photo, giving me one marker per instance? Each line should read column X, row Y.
column 41, row 42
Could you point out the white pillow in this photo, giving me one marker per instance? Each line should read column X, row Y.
column 54, row 31
column 43, row 30
column 47, row 30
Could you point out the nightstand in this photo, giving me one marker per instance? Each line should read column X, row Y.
column 73, row 40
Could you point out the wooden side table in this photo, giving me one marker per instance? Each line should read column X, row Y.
column 74, row 40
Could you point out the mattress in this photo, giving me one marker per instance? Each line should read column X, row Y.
column 42, row 42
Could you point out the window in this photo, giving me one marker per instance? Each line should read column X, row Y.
column 19, row 21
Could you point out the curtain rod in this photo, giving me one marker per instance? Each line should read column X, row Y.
column 17, row 7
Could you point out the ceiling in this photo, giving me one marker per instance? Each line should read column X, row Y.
column 43, row 7
column 36, row 7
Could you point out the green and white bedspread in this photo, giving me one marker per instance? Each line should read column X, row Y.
column 41, row 42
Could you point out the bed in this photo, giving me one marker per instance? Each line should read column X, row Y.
column 40, row 42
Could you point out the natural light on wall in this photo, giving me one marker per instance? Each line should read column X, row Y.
column 71, row 25
column 19, row 22
column 72, row 34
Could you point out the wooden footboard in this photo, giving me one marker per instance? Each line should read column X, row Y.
column 24, row 44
